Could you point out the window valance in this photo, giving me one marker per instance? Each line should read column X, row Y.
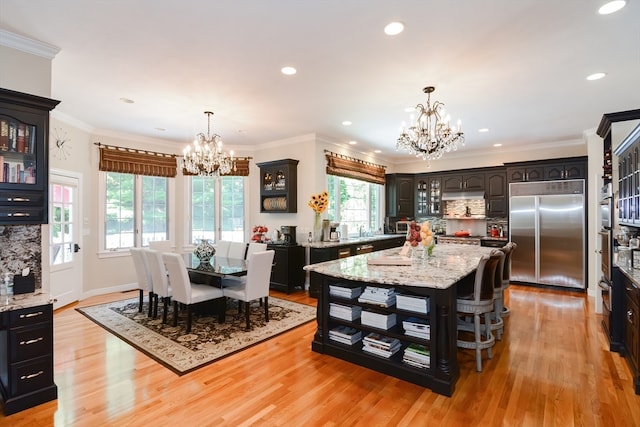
column 241, row 167
column 138, row 162
column 349, row 167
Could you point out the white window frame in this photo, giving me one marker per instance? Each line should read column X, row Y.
column 379, row 210
column 102, row 194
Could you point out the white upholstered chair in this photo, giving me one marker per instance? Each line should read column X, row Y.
column 255, row 247
column 222, row 248
column 479, row 302
column 253, row 286
column 183, row 290
column 237, row 250
column 145, row 282
column 160, row 245
column 161, row 285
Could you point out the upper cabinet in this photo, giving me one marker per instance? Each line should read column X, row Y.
column 573, row 170
column 463, row 182
column 547, row 170
column 400, row 195
column 278, row 186
column 628, row 153
column 525, row 173
column 24, row 169
column 497, row 193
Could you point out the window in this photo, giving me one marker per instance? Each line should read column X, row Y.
column 354, row 203
column 134, row 203
column 217, row 208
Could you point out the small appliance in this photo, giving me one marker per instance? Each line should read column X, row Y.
column 289, row 234
column 402, row 227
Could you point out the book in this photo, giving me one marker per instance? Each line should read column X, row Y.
column 4, row 135
column 20, row 139
column 13, row 136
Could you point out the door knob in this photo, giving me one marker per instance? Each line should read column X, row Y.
column 76, row 248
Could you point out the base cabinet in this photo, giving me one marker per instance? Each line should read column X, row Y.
column 26, row 358
column 287, row 272
column 632, row 330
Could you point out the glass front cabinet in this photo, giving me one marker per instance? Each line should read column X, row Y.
column 24, row 169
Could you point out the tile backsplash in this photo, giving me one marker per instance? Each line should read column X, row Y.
column 20, row 247
column 456, row 208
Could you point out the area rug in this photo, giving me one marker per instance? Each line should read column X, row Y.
column 208, row 341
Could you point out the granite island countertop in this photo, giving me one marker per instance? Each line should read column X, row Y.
column 20, row 301
column 351, row 241
column 449, row 264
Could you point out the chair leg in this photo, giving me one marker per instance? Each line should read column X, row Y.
column 478, row 336
column 266, row 309
column 175, row 313
column 155, row 305
column 141, row 301
column 151, row 295
column 165, row 305
column 188, row 318
column 487, row 321
column 246, row 314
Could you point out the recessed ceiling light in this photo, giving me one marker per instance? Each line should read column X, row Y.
column 160, row 129
column 377, row 151
column 482, row 130
column 497, row 145
column 346, row 123
column 353, row 142
column 596, row 76
column 393, row 28
column 127, row 100
column 289, row 71
column 612, row 6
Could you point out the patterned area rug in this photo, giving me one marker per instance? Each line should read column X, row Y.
column 208, row 340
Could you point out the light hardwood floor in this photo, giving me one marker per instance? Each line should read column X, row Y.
column 552, row 368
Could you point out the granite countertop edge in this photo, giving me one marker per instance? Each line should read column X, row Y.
column 21, row 301
column 352, row 241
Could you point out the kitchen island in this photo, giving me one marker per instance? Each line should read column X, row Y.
column 433, row 279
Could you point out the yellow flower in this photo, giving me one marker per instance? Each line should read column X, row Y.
column 319, row 202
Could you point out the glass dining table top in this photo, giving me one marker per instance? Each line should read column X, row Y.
column 216, row 266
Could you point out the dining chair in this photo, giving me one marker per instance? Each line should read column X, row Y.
column 183, row 290
column 255, row 247
column 145, row 282
column 479, row 303
column 222, row 248
column 160, row 245
column 161, row 285
column 254, row 286
column 237, row 250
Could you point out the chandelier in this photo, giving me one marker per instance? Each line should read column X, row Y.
column 430, row 136
column 207, row 158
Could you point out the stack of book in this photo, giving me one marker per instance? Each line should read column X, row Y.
column 416, row 355
column 378, row 320
column 380, row 345
column 413, row 303
column 344, row 312
column 345, row 335
column 416, row 328
column 384, row 297
column 342, row 292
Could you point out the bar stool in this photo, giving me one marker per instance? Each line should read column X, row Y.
column 497, row 323
column 479, row 303
column 506, row 272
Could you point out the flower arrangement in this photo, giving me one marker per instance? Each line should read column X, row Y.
column 258, row 233
column 319, row 202
column 421, row 234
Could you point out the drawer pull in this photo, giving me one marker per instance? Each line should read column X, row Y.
column 26, row 316
column 18, row 199
column 30, row 376
column 31, row 341
column 19, row 214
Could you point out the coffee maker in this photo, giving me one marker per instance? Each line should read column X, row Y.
column 288, row 234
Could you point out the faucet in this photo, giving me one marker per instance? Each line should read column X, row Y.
column 361, row 231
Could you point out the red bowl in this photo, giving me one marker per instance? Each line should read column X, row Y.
column 461, row 233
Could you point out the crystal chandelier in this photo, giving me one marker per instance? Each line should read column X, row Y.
column 207, row 158
column 430, row 136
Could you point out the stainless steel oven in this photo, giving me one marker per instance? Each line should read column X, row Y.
column 606, row 207
column 605, row 280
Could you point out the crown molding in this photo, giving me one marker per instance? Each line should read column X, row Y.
column 28, row 45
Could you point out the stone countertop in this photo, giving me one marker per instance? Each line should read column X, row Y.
column 448, row 264
column 352, row 241
column 17, row 302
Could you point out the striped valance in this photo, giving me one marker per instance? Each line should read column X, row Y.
column 349, row 167
column 241, row 167
column 137, row 162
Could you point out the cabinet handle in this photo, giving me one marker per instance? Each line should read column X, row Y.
column 630, row 316
column 26, row 316
column 31, row 341
column 525, row 177
column 28, row 377
column 18, row 199
column 20, row 214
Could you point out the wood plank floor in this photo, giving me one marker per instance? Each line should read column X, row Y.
column 552, row 368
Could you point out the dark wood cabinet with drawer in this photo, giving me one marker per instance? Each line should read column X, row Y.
column 26, row 358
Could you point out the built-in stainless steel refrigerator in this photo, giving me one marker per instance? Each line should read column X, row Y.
column 547, row 222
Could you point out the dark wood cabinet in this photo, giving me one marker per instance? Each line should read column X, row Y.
column 279, row 186
column 400, row 195
column 547, row 170
column 464, row 182
column 525, row 174
column 26, row 358
column 497, row 193
column 632, row 330
column 287, row 273
column 428, row 195
column 576, row 170
column 24, row 156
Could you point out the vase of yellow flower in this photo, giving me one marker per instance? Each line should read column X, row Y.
column 319, row 203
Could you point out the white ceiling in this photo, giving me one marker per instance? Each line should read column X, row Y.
column 517, row 67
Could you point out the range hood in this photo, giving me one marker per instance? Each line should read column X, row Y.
column 463, row 195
